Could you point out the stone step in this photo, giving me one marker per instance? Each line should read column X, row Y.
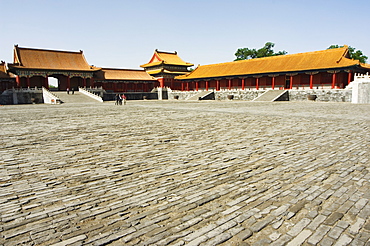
column 272, row 95
column 76, row 97
column 200, row 95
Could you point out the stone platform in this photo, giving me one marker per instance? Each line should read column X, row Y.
column 185, row 173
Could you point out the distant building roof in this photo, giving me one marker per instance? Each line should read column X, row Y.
column 317, row 60
column 29, row 58
column 4, row 74
column 123, row 74
column 168, row 58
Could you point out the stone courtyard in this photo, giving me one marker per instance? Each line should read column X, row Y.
column 185, row 173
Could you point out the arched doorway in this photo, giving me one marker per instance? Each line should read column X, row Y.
column 53, row 83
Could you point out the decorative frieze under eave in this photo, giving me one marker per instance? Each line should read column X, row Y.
column 126, row 81
column 31, row 73
column 275, row 74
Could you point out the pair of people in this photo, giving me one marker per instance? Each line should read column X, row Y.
column 73, row 91
column 120, row 98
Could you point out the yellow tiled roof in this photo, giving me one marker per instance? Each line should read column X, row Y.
column 160, row 57
column 166, row 71
column 123, row 74
column 365, row 65
column 325, row 59
column 50, row 59
column 154, row 71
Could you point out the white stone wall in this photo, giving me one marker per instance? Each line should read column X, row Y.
column 323, row 95
column 361, row 89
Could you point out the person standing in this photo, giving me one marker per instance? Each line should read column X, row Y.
column 117, row 99
column 120, row 99
column 67, row 90
column 124, row 99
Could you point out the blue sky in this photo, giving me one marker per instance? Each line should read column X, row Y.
column 125, row 33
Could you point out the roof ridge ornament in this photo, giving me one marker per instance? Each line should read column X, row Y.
column 345, row 52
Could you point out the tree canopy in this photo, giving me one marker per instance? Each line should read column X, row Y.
column 246, row 53
column 353, row 53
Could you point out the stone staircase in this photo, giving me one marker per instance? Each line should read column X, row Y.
column 203, row 95
column 77, row 97
column 273, row 95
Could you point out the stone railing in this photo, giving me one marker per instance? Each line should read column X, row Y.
column 362, row 77
column 89, row 94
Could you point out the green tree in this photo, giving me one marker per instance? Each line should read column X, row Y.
column 353, row 53
column 265, row 51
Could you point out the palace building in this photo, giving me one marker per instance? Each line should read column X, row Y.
column 165, row 66
column 331, row 68
column 125, row 80
column 32, row 68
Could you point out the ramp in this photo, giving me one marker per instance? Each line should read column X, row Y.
column 273, row 95
column 77, row 97
column 204, row 95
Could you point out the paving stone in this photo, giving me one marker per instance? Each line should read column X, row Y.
column 342, row 224
column 244, row 234
column 274, row 236
column 155, row 174
column 356, row 227
column 197, row 241
column 70, row 241
column 261, row 224
column 333, row 218
column 300, row 238
column 219, row 239
column 283, row 240
column 200, row 232
column 343, row 240
column 318, row 235
column 316, row 222
column 262, row 242
column 297, row 228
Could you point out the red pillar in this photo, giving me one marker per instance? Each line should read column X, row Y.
column 311, row 81
column 243, row 84
column 349, row 77
column 230, row 84
column 68, row 82
column 28, row 81
column 161, row 82
column 333, row 80
column 187, row 86
column 217, row 85
column 291, row 82
column 273, row 83
column 207, row 85
column 257, row 83
column 18, row 81
column 182, row 86
column 196, row 85
column 46, row 83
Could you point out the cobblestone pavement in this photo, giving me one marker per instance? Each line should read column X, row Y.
column 185, row 173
